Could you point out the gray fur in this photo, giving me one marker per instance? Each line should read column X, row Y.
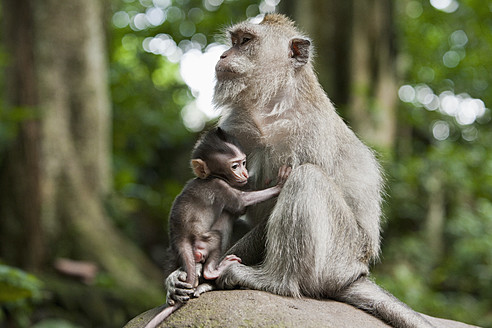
column 324, row 230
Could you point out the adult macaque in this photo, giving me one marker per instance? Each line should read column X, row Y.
column 201, row 218
column 324, row 229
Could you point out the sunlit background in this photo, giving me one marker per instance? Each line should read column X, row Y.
column 197, row 56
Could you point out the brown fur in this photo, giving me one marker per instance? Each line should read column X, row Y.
column 202, row 216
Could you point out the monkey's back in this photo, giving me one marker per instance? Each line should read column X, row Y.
column 191, row 210
column 196, row 209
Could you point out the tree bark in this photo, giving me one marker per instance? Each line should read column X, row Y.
column 329, row 24
column 436, row 216
column 373, row 98
column 355, row 61
column 59, row 167
column 20, row 201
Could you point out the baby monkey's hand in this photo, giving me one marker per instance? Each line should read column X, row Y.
column 283, row 174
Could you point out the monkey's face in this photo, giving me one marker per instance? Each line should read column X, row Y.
column 235, row 67
column 235, row 62
column 239, row 173
column 261, row 61
column 233, row 167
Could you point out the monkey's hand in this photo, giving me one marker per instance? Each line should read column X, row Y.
column 177, row 288
column 283, row 174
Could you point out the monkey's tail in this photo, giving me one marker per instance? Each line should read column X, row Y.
column 366, row 295
column 161, row 316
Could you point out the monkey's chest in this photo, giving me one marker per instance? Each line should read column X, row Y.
column 264, row 162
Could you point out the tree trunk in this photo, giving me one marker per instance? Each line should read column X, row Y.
column 355, row 61
column 436, row 216
column 58, row 169
column 329, row 24
column 20, row 201
column 372, row 106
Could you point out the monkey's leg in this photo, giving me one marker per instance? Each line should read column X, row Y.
column 209, row 273
column 212, row 271
column 203, row 288
column 314, row 248
column 251, row 246
column 311, row 241
column 366, row 295
column 206, row 286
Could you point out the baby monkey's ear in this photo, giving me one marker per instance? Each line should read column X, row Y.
column 200, row 168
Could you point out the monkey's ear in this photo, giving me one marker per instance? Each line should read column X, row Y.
column 200, row 168
column 299, row 51
column 221, row 133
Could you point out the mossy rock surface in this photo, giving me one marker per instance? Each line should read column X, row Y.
column 249, row 308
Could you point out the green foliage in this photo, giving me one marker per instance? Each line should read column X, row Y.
column 150, row 142
column 10, row 120
column 18, row 291
column 17, row 285
column 442, row 53
column 54, row 323
column 457, row 284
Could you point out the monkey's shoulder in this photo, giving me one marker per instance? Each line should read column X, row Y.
column 211, row 183
column 196, row 198
column 204, row 190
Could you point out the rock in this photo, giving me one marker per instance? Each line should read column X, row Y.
column 250, row 308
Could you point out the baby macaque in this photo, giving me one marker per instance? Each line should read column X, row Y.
column 202, row 215
column 201, row 218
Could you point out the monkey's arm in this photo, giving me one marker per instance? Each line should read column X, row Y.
column 235, row 201
column 250, row 248
column 248, row 198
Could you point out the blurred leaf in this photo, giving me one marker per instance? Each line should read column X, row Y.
column 17, row 285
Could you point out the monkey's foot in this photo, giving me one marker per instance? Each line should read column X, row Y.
column 203, row 288
column 211, row 274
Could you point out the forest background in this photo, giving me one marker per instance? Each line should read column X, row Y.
column 102, row 101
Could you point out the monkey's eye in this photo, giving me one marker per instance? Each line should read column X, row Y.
column 240, row 41
column 245, row 40
column 244, row 163
column 235, row 166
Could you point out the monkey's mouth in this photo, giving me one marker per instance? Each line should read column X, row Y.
column 224, row 73
column 241, row 183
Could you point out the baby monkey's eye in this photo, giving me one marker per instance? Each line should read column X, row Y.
column 235, row 166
